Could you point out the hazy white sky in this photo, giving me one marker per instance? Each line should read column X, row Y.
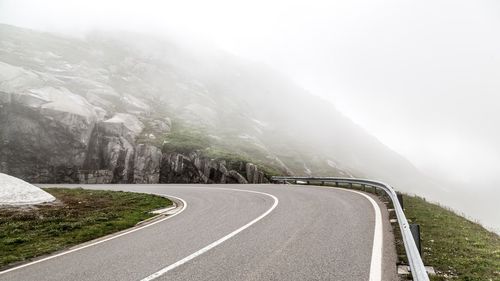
column 422, row 76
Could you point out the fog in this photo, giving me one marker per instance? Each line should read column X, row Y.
column 421, row 76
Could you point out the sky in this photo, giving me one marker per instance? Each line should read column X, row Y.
column 422, row 76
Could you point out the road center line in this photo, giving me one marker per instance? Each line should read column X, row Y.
column 103, row 240
column 218, row 242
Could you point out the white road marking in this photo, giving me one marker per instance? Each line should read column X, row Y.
column 218, row 242
column 100, row 241
column 376, row 261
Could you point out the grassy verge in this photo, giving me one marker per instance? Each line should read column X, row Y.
column 81, row 215
column 457, row 248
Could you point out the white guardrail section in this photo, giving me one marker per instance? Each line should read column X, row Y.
column 416, row 264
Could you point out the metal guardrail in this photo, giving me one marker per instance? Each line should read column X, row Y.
column 417, row 268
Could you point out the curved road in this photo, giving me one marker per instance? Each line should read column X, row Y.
column 238, row 232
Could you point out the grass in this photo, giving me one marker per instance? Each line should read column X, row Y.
column 184, row 139
column 81, row 215
column 457, row 248
column 234, row 160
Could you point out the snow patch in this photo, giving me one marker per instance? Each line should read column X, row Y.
column 14, row 191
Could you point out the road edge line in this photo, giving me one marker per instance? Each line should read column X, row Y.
column 378, row 235
column 101, row 240
column 376, row 260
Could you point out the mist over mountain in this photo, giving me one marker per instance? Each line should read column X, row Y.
column 127, row 107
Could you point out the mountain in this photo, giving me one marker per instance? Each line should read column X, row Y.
column 125, row 107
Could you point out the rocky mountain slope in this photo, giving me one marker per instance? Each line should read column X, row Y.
column 126, row 107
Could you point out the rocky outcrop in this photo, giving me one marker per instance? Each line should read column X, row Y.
column 59, row 130
column 113, row 148
column 147, row 162
column 95, row 177
column 44, row 131
column 52, row 135
column 70, row 144
column 45, row 141
column 237, row 178
column 253, row 174
column 178, row 168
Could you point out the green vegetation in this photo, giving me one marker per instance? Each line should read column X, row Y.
column 237, row 161
column 457, row 248
column 236, row 152
column 184, row 141
column 81, row 215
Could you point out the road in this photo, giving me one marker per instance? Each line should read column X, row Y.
column 239, row 232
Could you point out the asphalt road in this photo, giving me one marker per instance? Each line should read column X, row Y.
column 228, row 232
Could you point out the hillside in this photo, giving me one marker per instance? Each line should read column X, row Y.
column 126, row 107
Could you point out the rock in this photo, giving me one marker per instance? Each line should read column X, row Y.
column 44, row 134
column 134, row 105
column 17, row 79
column 95, row 177
column 237, row 177
column 112, row 148
column 178, row 168
column 252, row 173
column 147, row 164
column 160, row 127
column 123, row 124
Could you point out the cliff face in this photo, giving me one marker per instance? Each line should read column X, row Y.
column 41, row 139
column 179, row 168
column 64, row 146
column 75, row 112
column 123, row 108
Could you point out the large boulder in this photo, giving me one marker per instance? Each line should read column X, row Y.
column 178, row 168
column 254, row 175
column 44, row 131
column 147, row 164
column 112, row 147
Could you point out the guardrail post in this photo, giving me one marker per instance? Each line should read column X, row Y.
column 400, row 199
column 415, row 231
column 350, row 185
column 307, row 182
column 363, row 187
column 322, row 183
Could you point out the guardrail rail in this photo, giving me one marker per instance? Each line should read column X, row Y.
column 417, row 267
